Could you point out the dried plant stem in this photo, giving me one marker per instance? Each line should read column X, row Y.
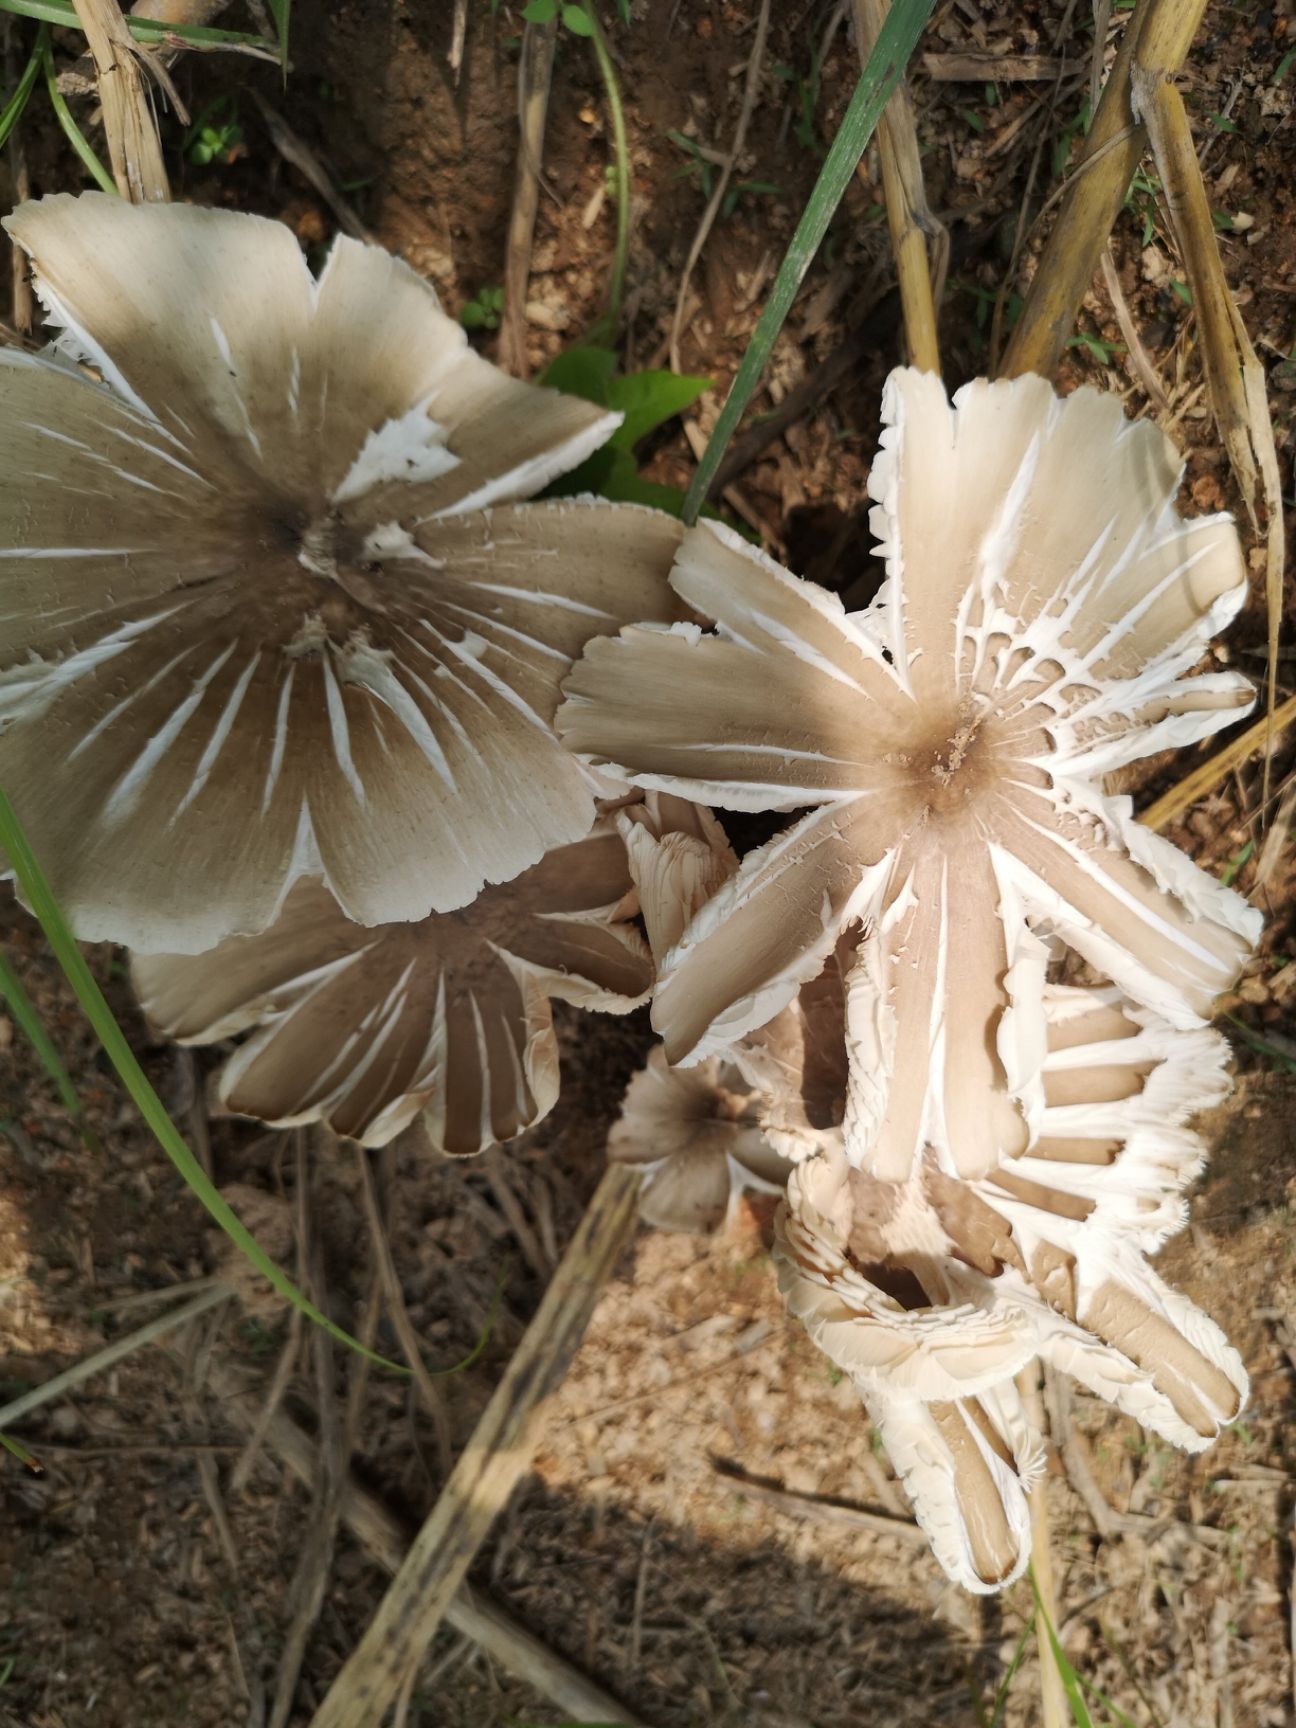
column 1096, row 192
column 1140, row 360
column 535, row 74
column 386, row 1540
column 1053, row 1700
column 112, row 1353
column 491, row 1465
column 1208, row 776
column 751, row 90
column 909, row 217
column 1235, row 379
column 134, row 148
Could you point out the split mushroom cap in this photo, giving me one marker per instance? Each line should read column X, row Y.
column 448, row 1017
column 272, row 608
column 696, row 1135
column 1043, row 607
column 932, row 1292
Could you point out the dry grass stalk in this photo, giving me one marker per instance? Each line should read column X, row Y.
column 1235, row 378
column 751, row 91
column 1204, row 779
column 535, row 72
column 134, row 147
column 299, row 155
column 909, row 216
column 112, row 1353
column 1054, row 1712
column 490, row 1467
column 386, row 1540
column 1095, row 194
column 1139, row 358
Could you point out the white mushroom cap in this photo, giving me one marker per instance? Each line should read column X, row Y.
column 272, row 606
column 447, row 1017
column 696, row 1135
column 1043, row 606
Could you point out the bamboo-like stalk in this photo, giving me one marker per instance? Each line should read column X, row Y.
column 497, row 1455
column 535, row 73
column 1235, row 379
column 1115, row 145
column 134, row 148
column 1053, row 1700
column 909, row 217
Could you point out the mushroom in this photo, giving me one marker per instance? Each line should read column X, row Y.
column 696, row 1136
column 272, row 608
column 1008, row 1150
column 1044, row 602
column 366, row 1028
column 932, row 1293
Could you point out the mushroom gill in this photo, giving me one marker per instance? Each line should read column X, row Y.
column 447, row 1017
column 270, row 599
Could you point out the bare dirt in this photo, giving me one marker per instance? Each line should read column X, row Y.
column 687, row 1534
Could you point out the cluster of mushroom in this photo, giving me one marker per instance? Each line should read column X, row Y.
column 363, row 754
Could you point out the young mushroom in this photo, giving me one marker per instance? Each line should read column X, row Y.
column 272, row 606
column 1043, row 609
column 447, row 1017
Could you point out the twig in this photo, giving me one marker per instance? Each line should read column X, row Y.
column 909, row 216
column 500, row 1450
column 818, row 1508
column 1054, row 1712
column 535, row 74
column 299, row 154
column 1140, row 360
column 1207, row 777
column 386, row 1540
column 112, row 1353
column 751, row 90
column 389, row 1282
column 134, row 148
column 457, row 38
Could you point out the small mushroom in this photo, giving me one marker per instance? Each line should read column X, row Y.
column 696, row 1135
column 933, row 1293
column 448, row 1017
column 272, row 609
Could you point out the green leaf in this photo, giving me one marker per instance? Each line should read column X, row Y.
column 39, row 896
column 12, row 111
column 540, row 11
column 63, row 13
column 583, row 370
column 29, row 1023
column 896, row 41
column 72, row 131
column 649, row 400
column 279, row 12
column 578, row 20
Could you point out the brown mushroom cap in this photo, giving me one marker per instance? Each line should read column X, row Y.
column 271, row 605
column 366, row 1028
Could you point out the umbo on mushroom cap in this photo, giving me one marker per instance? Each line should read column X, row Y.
column 447, row 1017
column 271, row 608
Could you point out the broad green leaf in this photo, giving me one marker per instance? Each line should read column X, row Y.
column 582, row 370
column 649, row 400
column 540, row 11
column 578, row 20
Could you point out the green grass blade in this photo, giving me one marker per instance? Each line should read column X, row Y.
column 40, row 898
column 63, row 13
column 896, row 42
column 29, row 1023
column 74, row 133
column 1001, row 1696
column 12, row 111
column 280, row 12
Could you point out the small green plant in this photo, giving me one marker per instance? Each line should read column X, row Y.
column 805, row 90
column 1141, row 201
column 484, row 310
column 215, row 135
column 699, row 167
column 1095, row 346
